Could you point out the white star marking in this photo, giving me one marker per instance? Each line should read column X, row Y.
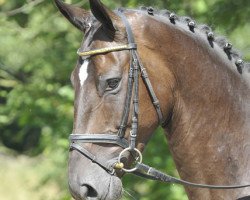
column 83, row 72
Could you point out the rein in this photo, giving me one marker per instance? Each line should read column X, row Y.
column 119, row 139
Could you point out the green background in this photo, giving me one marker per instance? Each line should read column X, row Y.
column 37, row 54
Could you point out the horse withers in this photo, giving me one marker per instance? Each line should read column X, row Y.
column 193, row 84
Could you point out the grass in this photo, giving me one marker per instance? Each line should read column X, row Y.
column 21, row 179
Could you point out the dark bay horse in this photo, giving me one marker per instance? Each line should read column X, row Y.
column 203, row 90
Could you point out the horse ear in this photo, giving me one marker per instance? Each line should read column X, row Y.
column 107, row 17
column 75, row 15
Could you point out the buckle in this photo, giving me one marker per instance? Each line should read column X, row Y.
column 132, row 46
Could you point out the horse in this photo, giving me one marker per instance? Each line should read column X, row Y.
column 193, row 83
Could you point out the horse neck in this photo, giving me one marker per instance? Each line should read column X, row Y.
column 209, row 130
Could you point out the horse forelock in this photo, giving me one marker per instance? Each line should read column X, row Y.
column 233, row 54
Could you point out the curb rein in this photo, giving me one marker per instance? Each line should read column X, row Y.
column 140, row 169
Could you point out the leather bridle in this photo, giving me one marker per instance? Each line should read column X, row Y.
column 118, row 138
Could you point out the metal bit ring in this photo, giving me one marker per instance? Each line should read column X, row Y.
column 139, row 157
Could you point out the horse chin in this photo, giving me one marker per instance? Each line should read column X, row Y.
column 93, row 183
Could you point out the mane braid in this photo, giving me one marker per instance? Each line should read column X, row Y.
column 233, row 54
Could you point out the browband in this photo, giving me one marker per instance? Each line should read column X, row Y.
column 107, row 50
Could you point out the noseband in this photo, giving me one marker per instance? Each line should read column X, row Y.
column 118, row 138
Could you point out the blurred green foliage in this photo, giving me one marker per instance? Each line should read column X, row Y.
column 37, row 55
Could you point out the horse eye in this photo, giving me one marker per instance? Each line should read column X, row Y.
column 113, row 83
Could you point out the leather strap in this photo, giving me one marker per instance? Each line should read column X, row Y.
column 151, row 92
column 125, row 115
column 108, row 166
column 131, row 40
column 148, row 172
column 130, row 34
column 143, row 71
column 107, row 50
column 133, row 76
column 134, row 127
column 109, row 138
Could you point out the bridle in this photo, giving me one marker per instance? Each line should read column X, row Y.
column 119, row 139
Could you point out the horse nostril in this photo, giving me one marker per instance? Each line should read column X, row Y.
column 89, row 191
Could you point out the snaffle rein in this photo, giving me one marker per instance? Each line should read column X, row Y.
column 119, row 139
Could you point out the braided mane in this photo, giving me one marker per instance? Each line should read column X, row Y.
column 232, row 54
